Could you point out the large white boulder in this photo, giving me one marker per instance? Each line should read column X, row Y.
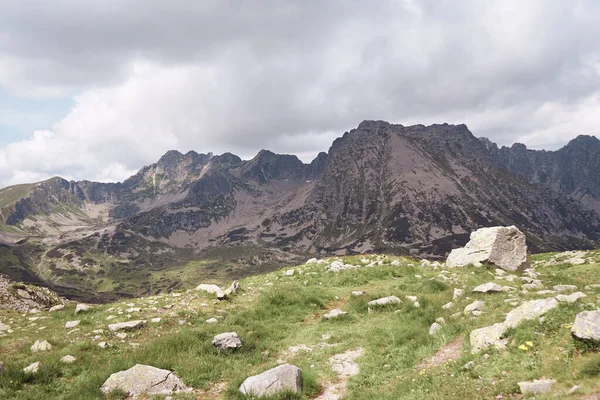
column 144, row 379
column 283, row 378
column 587, row 326
column 504, row 247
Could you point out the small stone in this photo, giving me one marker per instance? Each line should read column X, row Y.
column 489, row 287
column 213, row 289
column 68, row 359
column 357, row 293
column 284, row 378
column 211, row 321
column 587, row 326
column 536, row 386
column 129, row 325
column 121, row 335
column 572, row 298
column 440, row 320
column 72, row 324
column 32, row 368
column 155, row 320
column 565, row 288
column 385, row 301
column 104, row 345
column 42, row 345
column 458, row 293
column 336, row 312
column 145, row 379
column 81, row 308
column 289, row 272
column 574, row 389
column 227, row 341
column 133, row 309
column 448, row 306
column 474, row 306
column 434, row 328
column 56, row 308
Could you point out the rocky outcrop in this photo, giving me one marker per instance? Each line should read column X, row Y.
column 504, row 247
column 23, row 297
column 145, row 379
column 284, row 378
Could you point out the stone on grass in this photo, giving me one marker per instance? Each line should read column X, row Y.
column 155, row 320
column 145, row 379
column 458, row 293
column 357, row 293
column 474, row 306
column 572, row 298
column 121, row 335
column 289, row 272
column 4, row 327
column 489, row 336
column 284, row 378
column 69, row 359
column 537, row 386
column 530, row 310
column 1, row 367
column 504, row 247
column 489, row 287
column 104, row 345
column 129, row 325
column 212, row 289
column 57, row 307
column 32, row 368
column 311, row 261
column 385, row 301
column 587, row 326
column 41, row 345
column 434, row 328
column 71, row 324
column 564, row 288
column 227, row 341
column 211, row 321
column 336, row 312
column 448, row 306
column 81, row 308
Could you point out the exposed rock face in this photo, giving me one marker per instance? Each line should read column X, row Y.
column 22, row 297
column 145, row 379
column 227, row 341
column 504, row 247
column 283, row 378
column 587, row 326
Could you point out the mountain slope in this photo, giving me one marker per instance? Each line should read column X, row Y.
column 415, row 190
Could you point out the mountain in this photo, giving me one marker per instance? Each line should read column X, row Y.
column 571, row 170
column 414, row 190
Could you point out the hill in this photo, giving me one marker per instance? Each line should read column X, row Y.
column 370, row 353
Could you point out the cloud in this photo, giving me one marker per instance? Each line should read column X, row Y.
column 289, row 76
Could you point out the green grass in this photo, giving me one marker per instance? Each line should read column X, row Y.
column 274, row 312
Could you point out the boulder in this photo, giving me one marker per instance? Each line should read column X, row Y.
column 504, row 247
column 385, row 301
column 529, row 310
column 489, row 336
column 489, row 287
column 81, row 308
column 32, row 368
column 587, row 326
column 212, row 289
column 227, row 341
column 571, row 298
column 457, row 294
column 284, row 378
column 434, row 328
column 537, row 386
column 57, row 307
column 71, row 324
column 474, row 306
column 129, row 325
column 336, row 312
column 41, row 345
column 212, row 321
column 145, row 379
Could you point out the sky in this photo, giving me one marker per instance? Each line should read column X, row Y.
column 97, row 89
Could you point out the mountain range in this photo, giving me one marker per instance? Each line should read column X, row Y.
column 413, row 190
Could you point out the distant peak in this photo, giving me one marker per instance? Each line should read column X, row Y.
column 370, row 124
column 584, row 140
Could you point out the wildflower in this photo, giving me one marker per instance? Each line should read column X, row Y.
column 530, row 344
column 523, row 347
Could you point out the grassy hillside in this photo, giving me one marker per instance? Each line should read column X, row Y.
column 279, row 318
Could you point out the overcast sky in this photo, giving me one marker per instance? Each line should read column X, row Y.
column 97, row 89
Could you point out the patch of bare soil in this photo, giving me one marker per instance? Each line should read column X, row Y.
column 447, row 353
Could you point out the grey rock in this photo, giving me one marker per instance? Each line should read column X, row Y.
column 564, row 288
column 81, row 308
column 145, row 379
column 212, row 289
column 489, row 336
column 385, row 301
column 434, row 328
column 41, row 345
column 458, row 293
column 336, row 312
column 489, row 287
column 280, row 379
column 71, row 324
column 572, row 298
column 357, row 293
column 68, row 359
column 474, row 306
column 537, row 386
column 587, row 326
column 57, row 307
column 4, row 327
column 227, row 341
column 32, row 368
column 504, row 247
column 212, row 321
column 129, row 325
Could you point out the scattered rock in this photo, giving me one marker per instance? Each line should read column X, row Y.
column 344, row 364
column 537, row 386
column 489, row 287
column 104, row 345
column 121, row 335
column 81, row 308
column 587, row 326
column 336, row 312
column 448, row 306
column 227, row 341
column 57, row 307
column 565, row 288
column 42, row 345
column 32, row 368
column 434, row 328
column 458, row 293
column 440, row 320
column 572, row 298
column 289, row 272
column 385, row 301
column 529, row 310
column 283, row 378
column 4, row 327
column 212, row 289
column 211, row 321
column 357, row 293
column 129, row 325
column 145, row 379
column 155, row 320
column 71, row 324
column 474, row 306
column 311, row 261
column 68, row 359
column 232, row 289
column 504, row 247
column 489, row 336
